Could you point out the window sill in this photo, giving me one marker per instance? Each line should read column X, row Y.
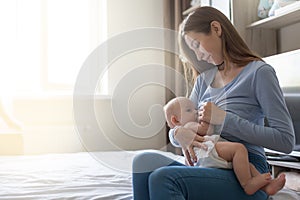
column 55, row 95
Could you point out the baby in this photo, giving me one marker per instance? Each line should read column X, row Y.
column 181, row 111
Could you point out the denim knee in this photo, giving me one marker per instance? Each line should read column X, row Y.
column 138, row 160
column 159, row 176
column 163, row 184
column 149, row 161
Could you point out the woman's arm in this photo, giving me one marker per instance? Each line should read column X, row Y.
column 280, row 133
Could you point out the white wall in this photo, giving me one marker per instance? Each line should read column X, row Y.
column 48, row 125
column 126, row 16
column 289, row 38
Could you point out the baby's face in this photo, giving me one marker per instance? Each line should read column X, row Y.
column 188, row 111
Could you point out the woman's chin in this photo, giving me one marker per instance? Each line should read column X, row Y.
column 211, row 62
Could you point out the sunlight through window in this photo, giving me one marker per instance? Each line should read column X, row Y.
column 45, row 42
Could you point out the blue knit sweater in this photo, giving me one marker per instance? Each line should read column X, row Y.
column 253, row 95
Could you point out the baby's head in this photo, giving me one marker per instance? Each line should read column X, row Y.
column 179, row 111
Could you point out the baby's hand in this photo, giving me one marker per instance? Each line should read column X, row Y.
column 192, row 126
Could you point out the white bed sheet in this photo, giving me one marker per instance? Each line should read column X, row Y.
column 76, row 176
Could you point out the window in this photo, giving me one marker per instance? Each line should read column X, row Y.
column 45, row 42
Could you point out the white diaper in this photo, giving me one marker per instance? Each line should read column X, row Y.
column 210, row 157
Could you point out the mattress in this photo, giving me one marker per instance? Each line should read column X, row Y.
column 76, row 176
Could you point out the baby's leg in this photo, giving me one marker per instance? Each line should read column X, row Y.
column 275, row 185
column 238, row 155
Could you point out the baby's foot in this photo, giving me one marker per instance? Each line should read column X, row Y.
column 275, row 185
column 257, row 182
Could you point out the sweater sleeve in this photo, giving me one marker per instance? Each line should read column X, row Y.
column 279, row 135
column 172, row 139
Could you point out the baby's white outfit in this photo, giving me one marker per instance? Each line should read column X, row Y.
column 210, row 157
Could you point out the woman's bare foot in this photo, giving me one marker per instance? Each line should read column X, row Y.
column 275, row 185
column 256, row 183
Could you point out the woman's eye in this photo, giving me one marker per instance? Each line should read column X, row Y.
column 188, row 110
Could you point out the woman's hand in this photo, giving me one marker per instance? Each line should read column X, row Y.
column 212, row 114
column 188, row 139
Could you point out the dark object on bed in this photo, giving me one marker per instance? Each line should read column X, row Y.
column 292, row 98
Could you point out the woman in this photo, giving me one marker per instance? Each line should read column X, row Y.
column 233, row 99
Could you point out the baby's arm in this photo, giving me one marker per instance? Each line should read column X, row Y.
column 199, row 128
column 192, row 125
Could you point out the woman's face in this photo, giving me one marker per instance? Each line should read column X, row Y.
column 206, row 47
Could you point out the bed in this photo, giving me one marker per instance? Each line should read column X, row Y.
column 76, row 176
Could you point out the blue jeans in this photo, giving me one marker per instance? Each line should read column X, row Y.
column 160, row 178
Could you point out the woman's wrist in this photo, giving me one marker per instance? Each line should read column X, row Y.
column 222, row 117
column 219, row 127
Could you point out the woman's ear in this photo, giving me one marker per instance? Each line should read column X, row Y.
column 216, row 27
column 174, row 120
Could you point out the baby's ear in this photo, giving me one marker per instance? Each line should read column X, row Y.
column 174, row 120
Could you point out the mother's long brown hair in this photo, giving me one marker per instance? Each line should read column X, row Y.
column 235, row 50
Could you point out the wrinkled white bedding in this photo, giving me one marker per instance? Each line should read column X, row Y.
column 76, row 176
